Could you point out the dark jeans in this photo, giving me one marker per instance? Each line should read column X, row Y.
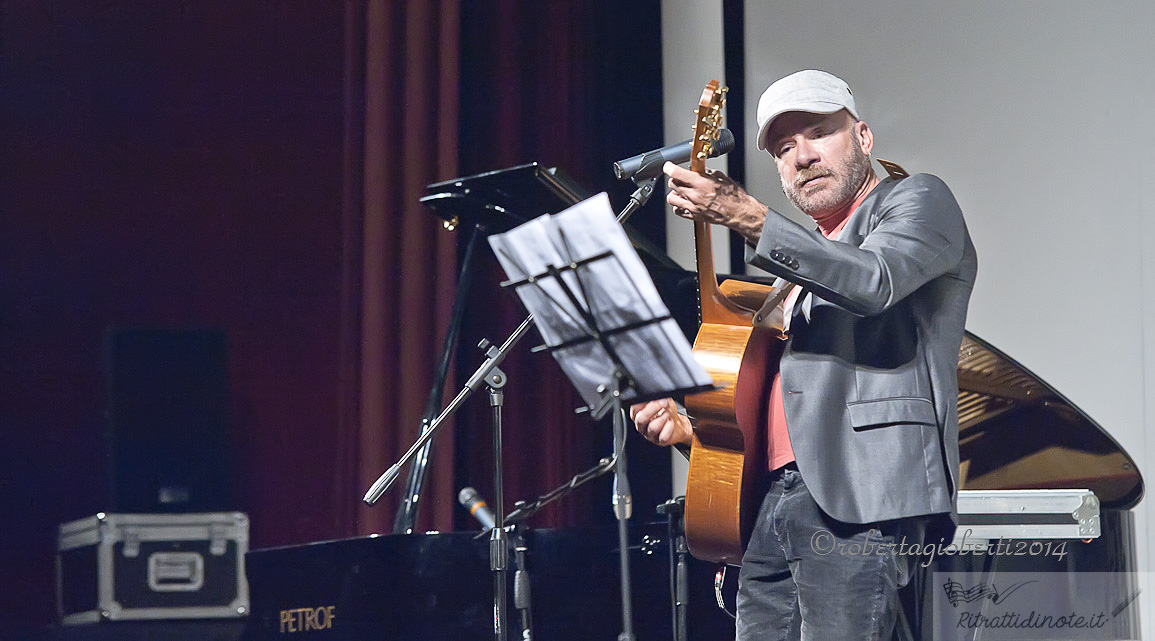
column 807, row 576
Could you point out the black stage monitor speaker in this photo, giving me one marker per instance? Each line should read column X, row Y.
column 168, row 420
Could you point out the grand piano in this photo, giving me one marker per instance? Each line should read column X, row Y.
column 1017, row 433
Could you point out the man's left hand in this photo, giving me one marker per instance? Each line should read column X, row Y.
column 714, row 198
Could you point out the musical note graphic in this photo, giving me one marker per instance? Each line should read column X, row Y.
column 956, row 594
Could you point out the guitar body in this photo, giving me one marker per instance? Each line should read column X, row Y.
column 724, row 455
column 728, row 452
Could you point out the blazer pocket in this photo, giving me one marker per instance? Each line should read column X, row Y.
column 891, row 411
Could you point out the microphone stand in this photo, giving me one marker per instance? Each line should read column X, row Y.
column 521, row 595
column 638, row 198
column 674, row 510
column 486, row 372
column 623, row 506
column 522, row 510
column 622, row 498
column 498, row 537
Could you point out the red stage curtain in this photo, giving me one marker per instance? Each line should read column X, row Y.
column 564, row 84
column 399, row 265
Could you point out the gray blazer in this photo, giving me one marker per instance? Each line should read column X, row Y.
column 869, row 374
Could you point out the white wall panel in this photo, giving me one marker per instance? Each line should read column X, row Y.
column 1038, row 114
column 691, row 56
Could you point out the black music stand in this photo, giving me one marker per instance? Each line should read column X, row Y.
column 585, row 336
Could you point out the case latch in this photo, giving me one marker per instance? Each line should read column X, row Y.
column 131, row 540
column 1087, row 515
column 218, row 539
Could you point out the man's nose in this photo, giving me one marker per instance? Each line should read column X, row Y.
column 805, row 154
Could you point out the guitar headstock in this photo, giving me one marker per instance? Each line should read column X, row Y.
column 707, row 124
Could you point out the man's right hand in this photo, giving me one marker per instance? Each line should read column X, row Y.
column 660, row 422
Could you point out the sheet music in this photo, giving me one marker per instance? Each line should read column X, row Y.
column 617, row 290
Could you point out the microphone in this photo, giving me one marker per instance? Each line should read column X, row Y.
column 473, row 502
column 649, row 164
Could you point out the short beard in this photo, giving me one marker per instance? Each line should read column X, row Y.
column 849, row 173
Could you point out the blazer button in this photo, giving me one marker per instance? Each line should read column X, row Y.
column 776, row 255
column 794, row 264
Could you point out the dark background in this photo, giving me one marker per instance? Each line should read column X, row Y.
column 182, row 165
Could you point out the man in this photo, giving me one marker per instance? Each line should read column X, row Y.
column 861, row 415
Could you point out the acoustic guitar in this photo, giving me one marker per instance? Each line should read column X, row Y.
column 728, row 452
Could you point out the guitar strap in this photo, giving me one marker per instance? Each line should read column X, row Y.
column 893, row 169
column 765, row 317
column 788, row 307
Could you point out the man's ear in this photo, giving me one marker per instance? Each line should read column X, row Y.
column 864, row 136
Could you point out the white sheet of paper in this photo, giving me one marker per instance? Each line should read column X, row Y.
column 616, row 290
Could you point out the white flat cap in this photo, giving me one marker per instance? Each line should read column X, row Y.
column 811, row 91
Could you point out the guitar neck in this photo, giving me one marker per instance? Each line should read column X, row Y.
column 715, row 306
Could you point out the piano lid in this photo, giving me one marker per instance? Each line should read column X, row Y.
column 1017, row 432
column 503, row 199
